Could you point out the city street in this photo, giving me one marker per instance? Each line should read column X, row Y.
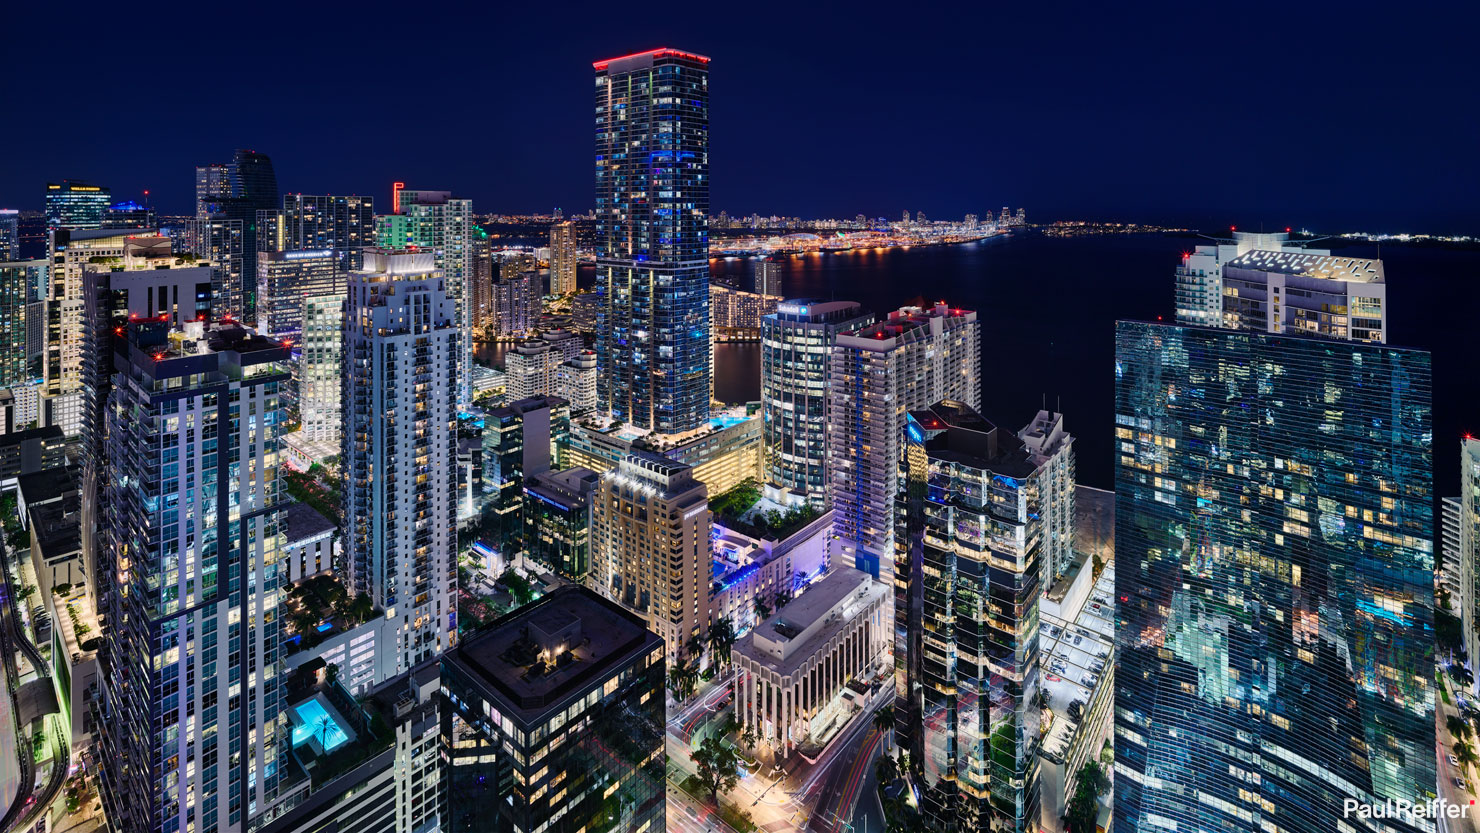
column 1447, row 772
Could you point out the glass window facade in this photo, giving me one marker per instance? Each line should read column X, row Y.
column 1274, row 580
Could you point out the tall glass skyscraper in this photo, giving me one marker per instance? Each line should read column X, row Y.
column 968, row 576
column 1274, row 514
column 76, row 205
column 652, row 238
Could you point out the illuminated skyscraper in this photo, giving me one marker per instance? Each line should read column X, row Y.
column 191, row 524
column 879, row 373
column 796, row 357
column 652, row 238
column 75, row 205
column 235, row 193
column 399, row 456
column 968, row 577
column 1274, row 522
column 19, row 282
column 130, row 215
column 443, row 224
column 321, row 368
column 285, row 280
column 319, row 221
column 10, row 234
column 562, row 258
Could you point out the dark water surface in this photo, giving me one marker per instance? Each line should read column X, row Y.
column 1048, row 308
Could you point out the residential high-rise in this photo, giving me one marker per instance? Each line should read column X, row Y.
column 443, row 224
column 130, row 215
column 968, row 572
column 516, row 304
column 190, row 522
column 75, row 205
column 562, row 258
column 212, row 186
column 584, row 309
column 575, row 382
column 1274, row 580
column 235, row 193
column 484, row 269
column 520, row 440
column 796, row 356
column 735, row 315
column 400, row 484
column 1306, row 293
column 554, row 720
column 652, row 238
column 345, row 224
column 1052, row 450
column 221, row 241
column 650, row 528
column 878, row 374
column 765, row 277
column 19, row 282
column 1199, row 277
column 321, row 369
column 285, row 280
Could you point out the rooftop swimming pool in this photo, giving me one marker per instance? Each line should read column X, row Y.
column 315, row 723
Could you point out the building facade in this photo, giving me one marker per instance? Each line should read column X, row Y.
column 1306, row 293
column 71, row 204
column 554, row 720
column 1051, row 449
column 191, row 528
column 878, row 373
column 735, row 315
column 311, row 222
column 400, row 482
column 652, row 238
column 19, row 304
column 650, row 547
column 967, row 581
column 1274, row 514
column 321, row 369
column 796, row 359
column 563, row 258
column 557, row 520
column 794, row 665
column 286, row 279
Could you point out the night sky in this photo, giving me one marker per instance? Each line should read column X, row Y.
column 1314, row 115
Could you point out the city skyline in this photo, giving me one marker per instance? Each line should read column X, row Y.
column 1014, row 107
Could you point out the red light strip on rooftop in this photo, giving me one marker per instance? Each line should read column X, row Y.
column 661, row 52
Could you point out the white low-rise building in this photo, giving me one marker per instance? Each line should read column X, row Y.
column 794, row 665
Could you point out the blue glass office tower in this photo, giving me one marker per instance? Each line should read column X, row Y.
column 1274, row 513
column 652, row 238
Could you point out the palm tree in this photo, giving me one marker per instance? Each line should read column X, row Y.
column 762, row 611
column 884, row 719
column 1458, row 726
column 748, row 737
column 721, row 640
column 1465, row 754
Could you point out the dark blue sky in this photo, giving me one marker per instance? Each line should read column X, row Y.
column 1305, row 114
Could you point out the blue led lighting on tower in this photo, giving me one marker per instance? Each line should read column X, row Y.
column 1274, row 514
column 652, row 238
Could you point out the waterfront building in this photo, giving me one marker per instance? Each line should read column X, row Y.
column 286, row 279
column 557, row 520
column 129, row 215
column 311, row 222
column 484, row 268
column 321, row 370
column 400, row 404
column 880, row 372
column 563, row 258
column 1274, row 582
column 584, row 309
column 516, row 304
column 652, row 238
column 796, row 354
column 442, row 224
column 967, row 583
column 724, row 452
column 1051, row 449
column 650, row 531
column 1306, row 293
column 575, row 382
column 554, row 719
column 71, row 204
column 736, row 315
column 201, row 406
column 765, row 277
column 796, row 666
column 529, row 369
column 1199, row 277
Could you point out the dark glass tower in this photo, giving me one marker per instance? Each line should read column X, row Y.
column 967, row 581
column 1274, row 513
column 652, row 238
